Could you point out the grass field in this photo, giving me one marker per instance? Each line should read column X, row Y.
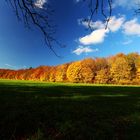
column 56, row 111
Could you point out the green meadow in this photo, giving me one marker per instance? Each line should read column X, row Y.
column 59, row 111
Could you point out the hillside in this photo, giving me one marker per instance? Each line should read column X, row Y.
column 118, row 69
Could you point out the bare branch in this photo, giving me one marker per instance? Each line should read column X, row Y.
column 30, row 14
column 99, row 6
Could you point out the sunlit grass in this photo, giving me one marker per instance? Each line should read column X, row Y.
column 44, row 83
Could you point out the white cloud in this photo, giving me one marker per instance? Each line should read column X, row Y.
column 127, row 42
column 115, row 23
column 95, row 37
column 24, row 67
column 82, row 49
column 132, row 27
column 98, row 35
column 40, row 3
column 77, row 1
column 129, row 4
column 93, row 25
column 10, row 66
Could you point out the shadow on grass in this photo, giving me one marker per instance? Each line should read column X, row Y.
column 69, row 112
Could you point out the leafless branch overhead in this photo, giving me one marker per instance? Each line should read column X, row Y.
column 103, row 7
column 31, row 14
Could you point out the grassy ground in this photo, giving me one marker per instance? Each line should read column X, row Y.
column 56, row 111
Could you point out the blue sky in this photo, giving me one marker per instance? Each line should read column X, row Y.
column 23, row 48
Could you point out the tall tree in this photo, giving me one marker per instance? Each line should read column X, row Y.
column 120, row 70
column 74, row 72
column 101, row 63
column 52, row 74
column 61, row 73
column 138, row 70
column 103, row 76
column 88, row 70
column 132, row 58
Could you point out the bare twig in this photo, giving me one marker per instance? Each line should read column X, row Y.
column 30, row 14
column 99, row 6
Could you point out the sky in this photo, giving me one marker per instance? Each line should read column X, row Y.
column 21, row 47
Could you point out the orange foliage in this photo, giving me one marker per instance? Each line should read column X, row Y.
column 118, row 69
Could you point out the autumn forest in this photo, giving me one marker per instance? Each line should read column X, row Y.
column 118, row 69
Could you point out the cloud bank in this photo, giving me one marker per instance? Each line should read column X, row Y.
column 129, row 4
column 132, row 27
column 127, row 42
column 95, row 37
column 99, row 32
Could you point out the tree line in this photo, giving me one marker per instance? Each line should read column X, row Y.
column 118, row 69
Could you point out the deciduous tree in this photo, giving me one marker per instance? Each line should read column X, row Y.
column 120, row 70
column 74, row 72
